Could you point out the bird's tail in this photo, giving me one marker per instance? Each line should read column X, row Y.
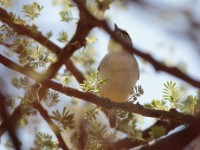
column 112, row 118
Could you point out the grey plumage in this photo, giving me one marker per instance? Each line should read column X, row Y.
column 119, row 68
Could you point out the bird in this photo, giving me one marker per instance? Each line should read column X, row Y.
column 120, row 70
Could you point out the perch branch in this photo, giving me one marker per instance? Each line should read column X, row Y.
column 157, row 65
column 37, row 36
column 129, row 107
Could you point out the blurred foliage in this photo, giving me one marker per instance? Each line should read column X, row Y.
column 156, row 132
column 5, row 3
column 170, row 93
column 192, row 104
column 99, row 7
column 127, row 125
column 31, row 54
column 94, row 144
column 85, row 57
column 63, row 37
column 91, row 39
column 99, row 137
column 8, row 145
column 171, row 100
column 10, row 102
column 44, row 141
column 51, row 98
column 20, row 82
column 92, row 114
column 66, row 16
column 92, row 84
column 32, row 11
column 136, row 92
column 74, row 138
column 64, row 120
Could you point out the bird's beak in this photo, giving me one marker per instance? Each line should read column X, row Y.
column 116, row 27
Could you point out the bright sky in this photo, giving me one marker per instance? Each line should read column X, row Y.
column 148, row 34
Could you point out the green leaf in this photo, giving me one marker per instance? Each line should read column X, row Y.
column 190, row 105
column 44, row 141
column 63, row 37
column 103, row 5
column 51, row 99
column 91, row 39
column 65, row 120
column 170, row 93
column 156, row 132
column 136, row 92
column 49, row 34
column 5, row 3
column 157, row 104
column 100, row 132
column 20, row 82
column 6, row 32
column 10, row 102
column 66, row 16
column 16, row 19
column 74, row 138
column 93, row 82
column 32, row 10
column 91, row 114
column 94, row 145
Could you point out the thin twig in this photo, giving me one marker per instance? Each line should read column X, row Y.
column 127, row 143
column 157, row 65
column 174, row 116
column 178, row 140
column 8, row 124
column 54, row 128
column 37, row 36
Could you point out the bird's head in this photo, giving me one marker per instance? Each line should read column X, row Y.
column 123, row 35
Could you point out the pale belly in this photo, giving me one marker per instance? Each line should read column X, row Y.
column 121, row 74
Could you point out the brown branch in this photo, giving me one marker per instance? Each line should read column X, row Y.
column 157, row 65
column 82, row 136
column 75, row 43
column 37, row 36
column 127, row 143
column 173, row 116
column 129, row 107
column 8, row 123
column 107, row 103
column 5, row 44
column 79, row 76
column 13, row 118
column 54, row 128
column 178, row 140
column 17, row 114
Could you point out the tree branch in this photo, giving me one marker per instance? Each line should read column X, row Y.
column 55, row 129
column 178, row 140
column 8, row 124
column 157, row 65
column 127, row 143
column 84, row 26
column 75, row 43
column 37, row 36
column 17, row 114
column 173, row 116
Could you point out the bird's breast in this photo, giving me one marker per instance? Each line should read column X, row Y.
column 121, row 73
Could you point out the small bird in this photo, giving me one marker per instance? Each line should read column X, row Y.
column 120, row 70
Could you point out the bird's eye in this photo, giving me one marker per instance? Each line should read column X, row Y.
column 125, row 34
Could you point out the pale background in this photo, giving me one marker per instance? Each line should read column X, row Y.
column 152, row 32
